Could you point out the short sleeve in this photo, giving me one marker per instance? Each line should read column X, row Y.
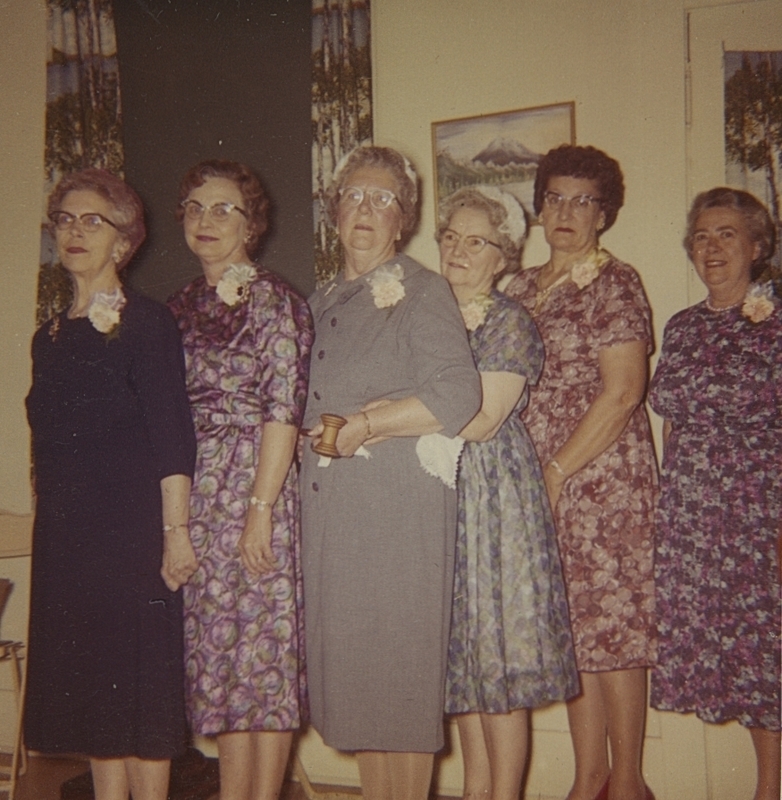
column 446, row 380
column 283, row 332
column 158, row 378
column 621, row 312
column 508, row 341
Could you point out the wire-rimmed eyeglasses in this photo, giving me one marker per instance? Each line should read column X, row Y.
column 378, row 198
column 581, row 202
column 472, row 244
column 219, row 212
column 89, row 222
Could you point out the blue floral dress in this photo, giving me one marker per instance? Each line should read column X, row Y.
column 510, row 644
column 719, row 382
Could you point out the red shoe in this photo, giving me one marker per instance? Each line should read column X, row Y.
column 603, row 793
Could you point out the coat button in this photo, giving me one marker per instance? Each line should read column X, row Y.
column 316, row 395
column 321, row 354
column 333, row 322
column 315, row 487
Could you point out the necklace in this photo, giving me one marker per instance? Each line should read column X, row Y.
column 543, row 294
column 718, row 309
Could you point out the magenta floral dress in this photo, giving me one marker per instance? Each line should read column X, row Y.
column 719, row 383
column 247, row 364
column 605, row 515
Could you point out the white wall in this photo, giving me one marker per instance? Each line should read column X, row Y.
column 22, row 98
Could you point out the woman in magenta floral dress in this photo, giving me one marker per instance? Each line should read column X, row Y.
column 718, row 386
column 247, row 337
column 587, row 421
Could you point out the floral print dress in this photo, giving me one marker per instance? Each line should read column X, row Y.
column 605, row 514
column 247, row 364
column 719, row 383
column 510, row 643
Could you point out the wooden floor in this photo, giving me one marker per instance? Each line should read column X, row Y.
column 45, row 774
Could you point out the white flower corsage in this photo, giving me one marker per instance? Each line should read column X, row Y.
column 758, row 305
column 232, row 287
column 587, row 270
column 474, row 312
column 386, row 283
column 104, row 311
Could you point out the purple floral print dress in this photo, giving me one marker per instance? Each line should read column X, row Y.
column 719, row 383
column 247, row 364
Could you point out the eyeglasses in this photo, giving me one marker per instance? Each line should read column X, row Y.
column 579, row 203
column 378, row 198
column 219, row 212
column 472, row 244
column 90, row 222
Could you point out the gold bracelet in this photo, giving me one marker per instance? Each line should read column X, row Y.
column 169, row 528
column 259, row 504
column 369, row 426
column 554, row 463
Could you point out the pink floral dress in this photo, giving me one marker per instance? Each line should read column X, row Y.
column 247, row 364
column 605, row 514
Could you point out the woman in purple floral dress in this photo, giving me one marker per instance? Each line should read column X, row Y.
column 587, row 421
column 247, row 338
column 718, row 386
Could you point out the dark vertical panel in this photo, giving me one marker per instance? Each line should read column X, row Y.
column 217, row 79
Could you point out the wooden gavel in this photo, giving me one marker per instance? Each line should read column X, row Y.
column 327, row 446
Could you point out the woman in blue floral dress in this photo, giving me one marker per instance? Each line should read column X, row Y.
column 510, row 645
column 718, row 386
column 247, row 337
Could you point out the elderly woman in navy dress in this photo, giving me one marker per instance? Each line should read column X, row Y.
column 114, row 454
column 510, row 647
column 718, row 385
column 391, row 356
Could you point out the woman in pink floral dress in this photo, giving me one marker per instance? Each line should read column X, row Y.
column 247, row 337
column 591, row 432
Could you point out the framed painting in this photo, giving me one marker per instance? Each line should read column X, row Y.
column 499, row 149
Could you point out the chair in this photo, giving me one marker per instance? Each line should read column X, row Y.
column 11, row 652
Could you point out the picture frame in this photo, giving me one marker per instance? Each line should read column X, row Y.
column 500, row 149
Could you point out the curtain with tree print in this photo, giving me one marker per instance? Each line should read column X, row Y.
column 83, row 122
column 341, row 107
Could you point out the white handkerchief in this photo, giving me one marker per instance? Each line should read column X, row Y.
column 439, row 456
column 362, row 451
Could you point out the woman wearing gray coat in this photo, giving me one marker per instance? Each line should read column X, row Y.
column 391, row 356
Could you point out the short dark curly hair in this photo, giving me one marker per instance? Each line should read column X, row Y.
column 573, row 161
column 256, row 203
column 385, row 158
column 759, row 223
column 128, row 213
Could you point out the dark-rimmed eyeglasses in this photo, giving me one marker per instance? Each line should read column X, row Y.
column 89, row 222
column 378, row 198
column 581, row 202
column 471, row 244
column 219, row 212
